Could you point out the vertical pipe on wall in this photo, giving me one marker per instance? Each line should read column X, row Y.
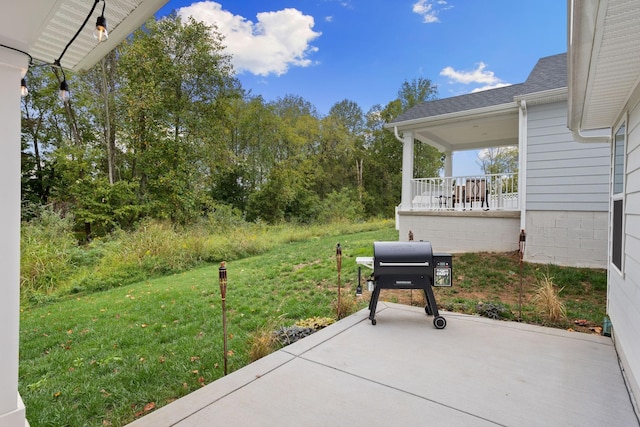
column 522, row 163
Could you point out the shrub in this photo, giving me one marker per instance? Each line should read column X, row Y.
column 548, row 302
column 224, row 218
column 262, row 342
column 347, row 306
column 341, row 206
column 47, row 249
column 290, row 334
column 494, row 311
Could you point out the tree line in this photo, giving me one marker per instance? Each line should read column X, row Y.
column 161, row 128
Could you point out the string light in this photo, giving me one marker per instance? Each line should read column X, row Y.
column 64, row 87
column 64, row 91
column 100, row 33
column 63, row 94
column 24, row 90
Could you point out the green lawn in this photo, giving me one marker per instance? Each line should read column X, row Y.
column 99, row 359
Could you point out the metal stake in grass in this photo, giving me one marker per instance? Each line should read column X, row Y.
column 523, row 242
column 339, row 261
column 222, row 274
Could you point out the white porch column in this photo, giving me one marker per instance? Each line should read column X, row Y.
column 407, row 169
column 12, row 65
column 448, row 163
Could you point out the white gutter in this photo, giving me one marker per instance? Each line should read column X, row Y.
column 544, row 97
column 593, row 135
column 455, row 117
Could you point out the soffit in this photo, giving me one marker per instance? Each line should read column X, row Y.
column 42, row 28
column 615, row 63
column 472, row 130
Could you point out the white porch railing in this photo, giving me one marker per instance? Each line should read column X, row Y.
column 481, row 192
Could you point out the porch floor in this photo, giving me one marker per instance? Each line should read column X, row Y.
column 403, row 371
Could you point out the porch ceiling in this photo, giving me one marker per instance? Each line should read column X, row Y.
column 43, row 28
column 474, row 129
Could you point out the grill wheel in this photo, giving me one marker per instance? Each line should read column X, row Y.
column 439, row 322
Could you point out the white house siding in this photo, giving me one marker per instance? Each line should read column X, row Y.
column 567, row 185
column 463, row 232
column 562, row 174
column 624, row 289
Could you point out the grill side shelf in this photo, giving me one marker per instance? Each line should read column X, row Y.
column 367, row 261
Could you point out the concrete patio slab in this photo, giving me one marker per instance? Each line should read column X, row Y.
column 403, row 371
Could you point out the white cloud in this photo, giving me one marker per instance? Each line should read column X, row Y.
column 328, row 18
column 487, row 87
column 430, row 9
column 479, row 75
column 277, row 41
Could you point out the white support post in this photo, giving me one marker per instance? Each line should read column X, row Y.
column 407, row 169
column 12, row 66
column 448, row 163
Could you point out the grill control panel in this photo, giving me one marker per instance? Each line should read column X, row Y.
column 442, row 270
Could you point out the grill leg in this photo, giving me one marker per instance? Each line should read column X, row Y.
column 432, row 306
column 373, row 303
column 427, row 307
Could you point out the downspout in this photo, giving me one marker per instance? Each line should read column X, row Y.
column 522, row 172
column 395, row 132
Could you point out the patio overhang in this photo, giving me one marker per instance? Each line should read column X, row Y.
column 43, row 28
column 598, row 94
column 492, row 126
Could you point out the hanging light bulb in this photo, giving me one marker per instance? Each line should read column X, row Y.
column 100, row 33
column 64, row 91
column 24, row 90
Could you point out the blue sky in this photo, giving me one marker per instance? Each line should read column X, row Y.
column 362, row 50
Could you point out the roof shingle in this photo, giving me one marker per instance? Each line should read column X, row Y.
column 549, row 73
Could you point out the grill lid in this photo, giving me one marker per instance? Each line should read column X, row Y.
column 402, row 254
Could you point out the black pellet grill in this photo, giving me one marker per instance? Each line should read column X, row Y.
column 409, row 265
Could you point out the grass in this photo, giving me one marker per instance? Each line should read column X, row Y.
column 52, row 265
column 102, row 358
column 495, row 278
column 105, row 358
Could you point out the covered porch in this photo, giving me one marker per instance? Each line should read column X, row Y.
column 459, row 213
